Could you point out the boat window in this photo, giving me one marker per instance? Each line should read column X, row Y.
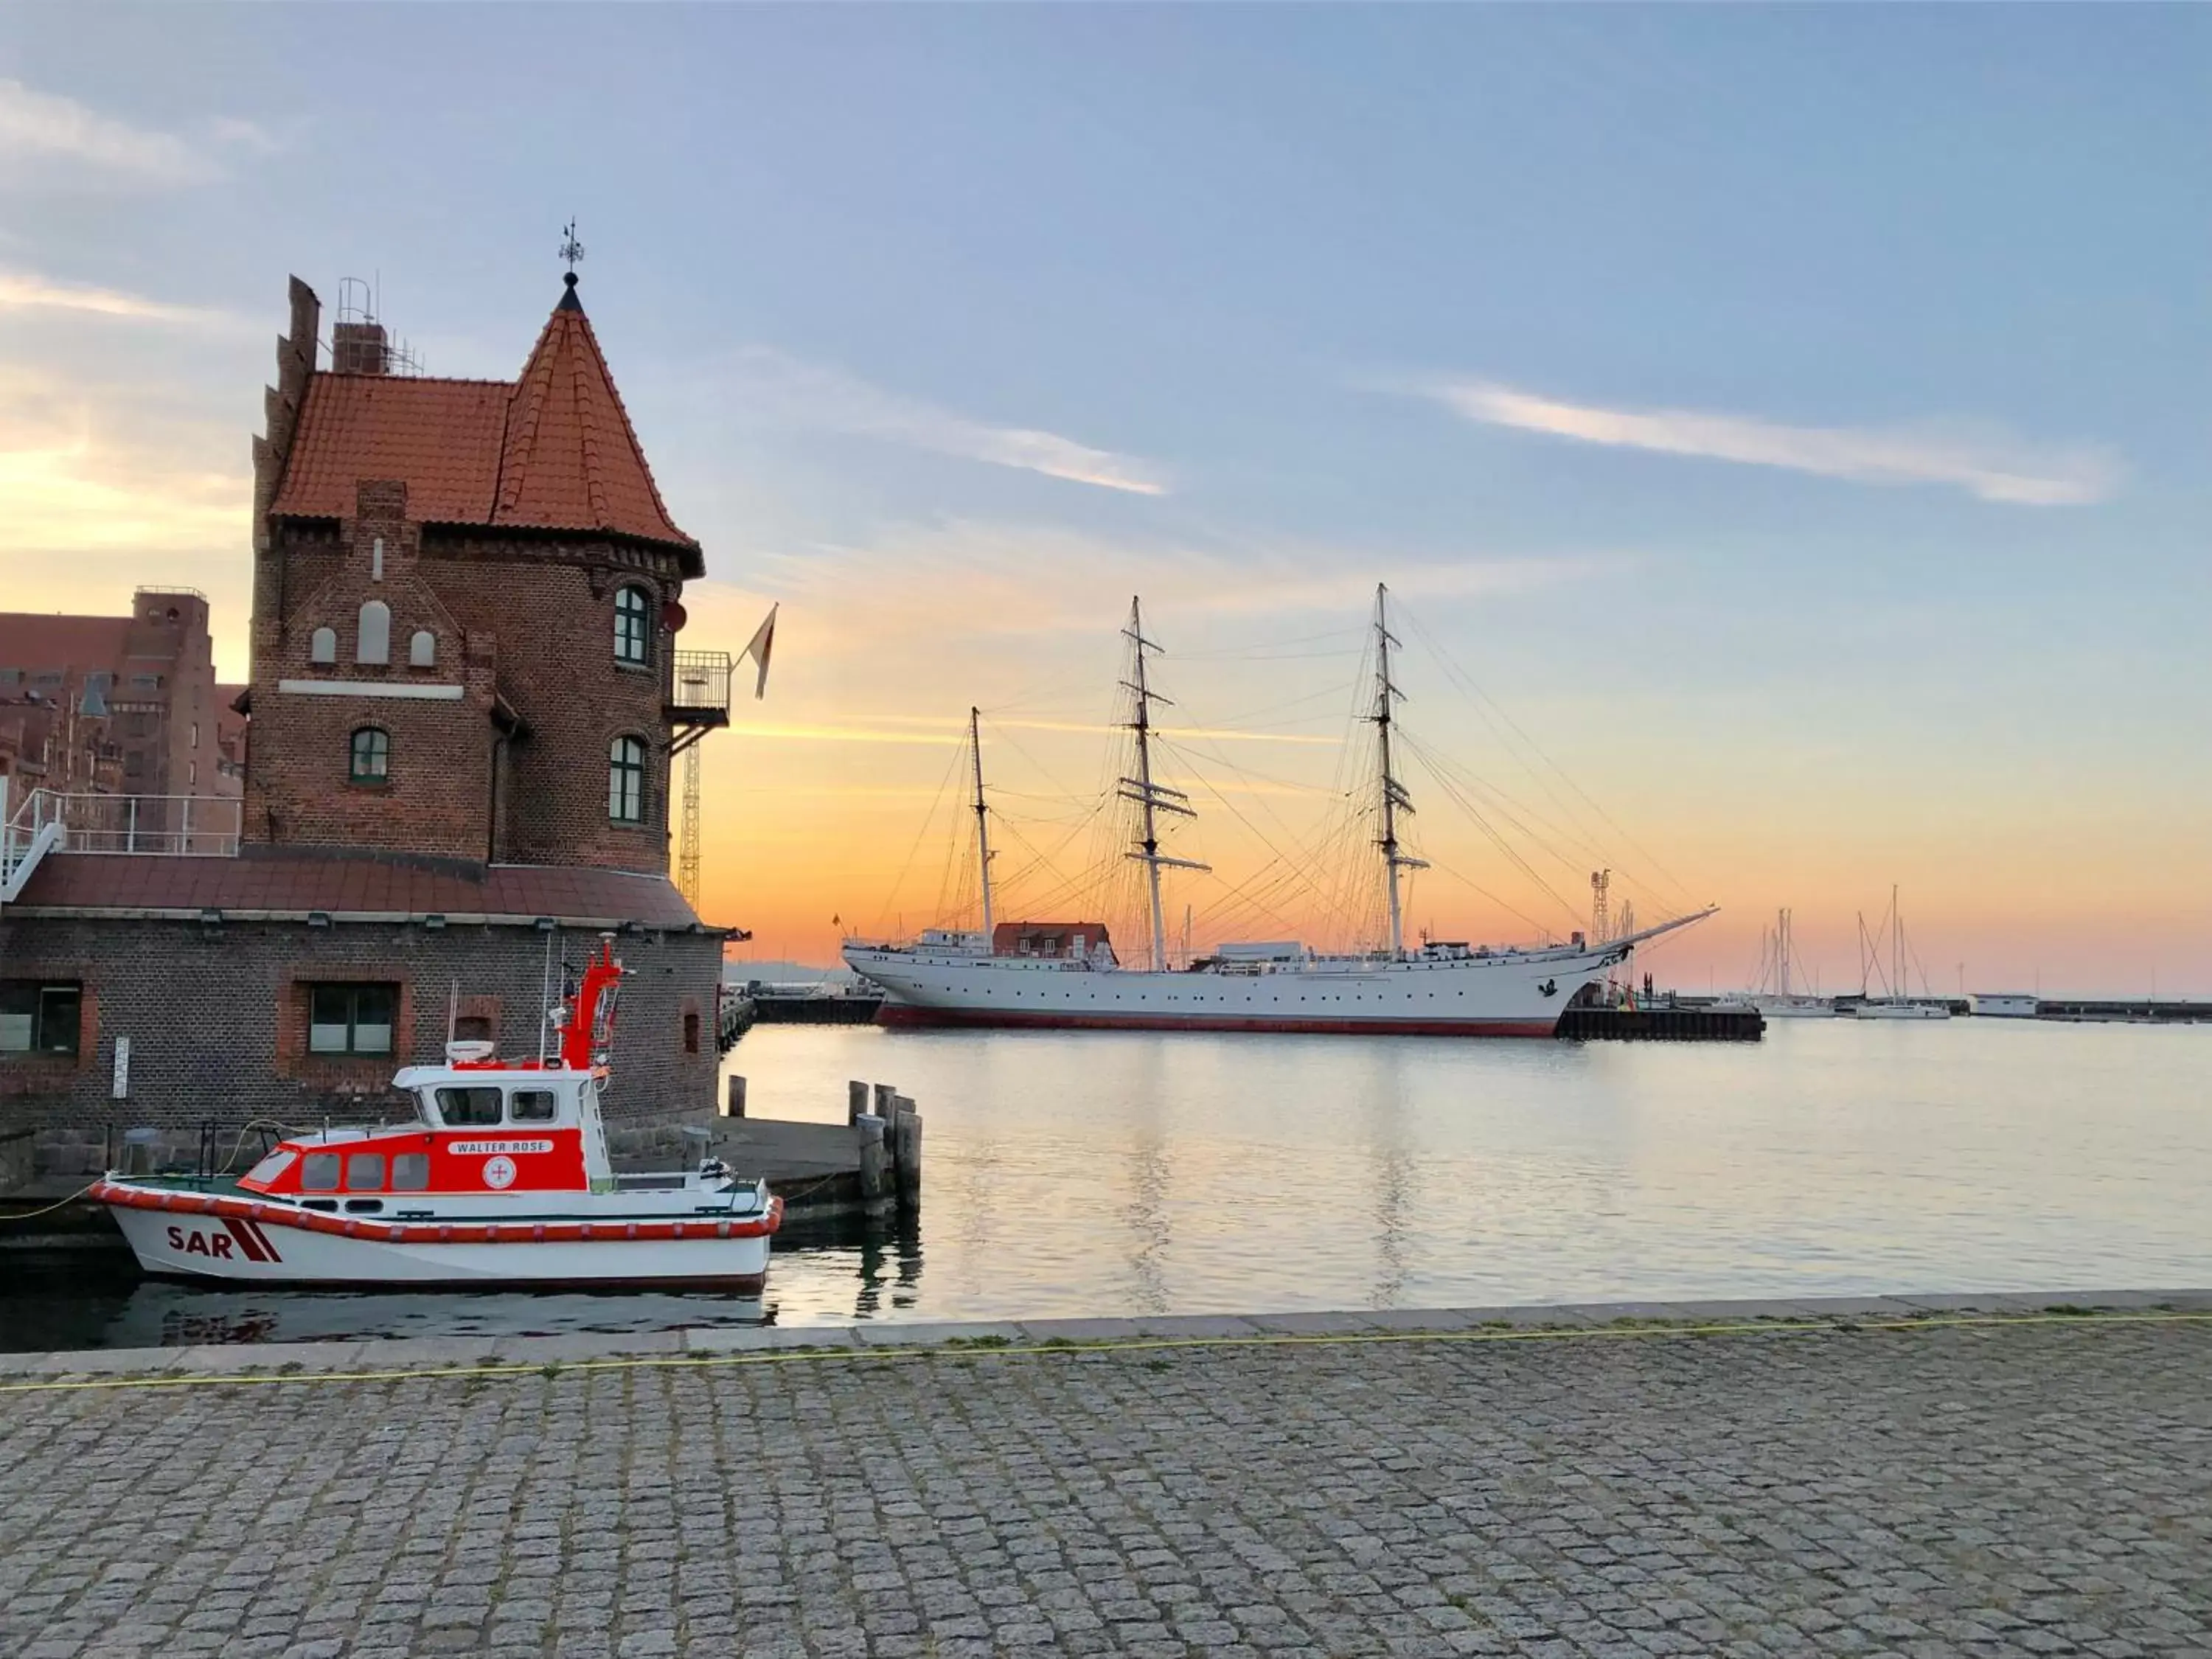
column 532, row 1106
column 468, row 1108
column 364, row 1206
column 319, row 1174
column 270, row 1167
column 411, row 1172
column 365, row 1172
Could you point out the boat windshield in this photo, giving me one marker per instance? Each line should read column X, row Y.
column 270, row 1167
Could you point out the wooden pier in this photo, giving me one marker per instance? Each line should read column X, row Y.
column 869, row 1164
column 1661, row 1024
column 769, row 1009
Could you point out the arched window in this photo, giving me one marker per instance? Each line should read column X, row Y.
column 626, row 780
column 633, row 631
column 373, row 643
column 323, row 646
column 369, row 758
column 423, row 649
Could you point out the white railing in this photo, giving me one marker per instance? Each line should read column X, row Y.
column 172, row 826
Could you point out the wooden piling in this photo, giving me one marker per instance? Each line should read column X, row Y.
column 909, row 1161
column 886, row 1094
column 736, row 1108
column 874, row 1175
column 856, row 1100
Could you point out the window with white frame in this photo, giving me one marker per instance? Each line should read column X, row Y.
column 633, row 625
column 626, row 780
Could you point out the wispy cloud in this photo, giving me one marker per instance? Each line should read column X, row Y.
column 781, row 388
column 1987, row 462
column 89, row 476
column 44, row 127
column 22, row 291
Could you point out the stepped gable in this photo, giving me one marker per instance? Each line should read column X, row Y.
column 554, row 451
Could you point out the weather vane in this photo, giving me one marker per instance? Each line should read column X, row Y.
column 571, row 249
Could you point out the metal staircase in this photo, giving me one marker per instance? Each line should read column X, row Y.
column 30, row 828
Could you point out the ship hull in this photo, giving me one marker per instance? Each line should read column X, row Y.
column 1512, row 994
column 899, row 1014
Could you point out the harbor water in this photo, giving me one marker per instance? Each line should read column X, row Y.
column 1101, row 1174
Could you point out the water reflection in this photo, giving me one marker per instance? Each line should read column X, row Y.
column 1102, row 1174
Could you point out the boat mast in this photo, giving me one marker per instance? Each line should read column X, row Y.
column 1896, row 947
column 1153, row 799
column 1392, row 797
column 983, row 818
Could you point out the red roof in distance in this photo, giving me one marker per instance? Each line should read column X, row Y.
column 554, row 450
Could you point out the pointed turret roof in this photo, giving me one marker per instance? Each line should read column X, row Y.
column 571, row 457
column 554, row 450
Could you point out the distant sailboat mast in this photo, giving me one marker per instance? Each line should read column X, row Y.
column 1153, row 799
column 1392, row 797
column 982, row 818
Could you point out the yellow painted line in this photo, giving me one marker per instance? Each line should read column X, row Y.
column 1135, row 1345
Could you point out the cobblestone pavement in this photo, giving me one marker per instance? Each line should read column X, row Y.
column 2026, row 1488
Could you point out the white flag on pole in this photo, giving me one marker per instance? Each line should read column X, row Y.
column 762, row 643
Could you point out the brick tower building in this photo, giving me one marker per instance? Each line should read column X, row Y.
column 463, row 705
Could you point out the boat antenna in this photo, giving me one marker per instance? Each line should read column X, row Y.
column 545, row 999
column 453, row 1011
column 982, row 817
column 1153, row 799
column 1394, row 799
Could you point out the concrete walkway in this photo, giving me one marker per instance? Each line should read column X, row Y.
column 1749, row 1479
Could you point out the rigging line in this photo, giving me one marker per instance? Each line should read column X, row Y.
column 1511, row 908
column 1236, row 721
column 935, row 802
column 1509, row 809
column 1000, row 734
column 1453, row 668
column 1226, row 651
column 1166, row 742
column 1498, row 839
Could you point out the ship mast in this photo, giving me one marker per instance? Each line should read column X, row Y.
column 1153, row 799
column 983, row 818
column 1393, row 799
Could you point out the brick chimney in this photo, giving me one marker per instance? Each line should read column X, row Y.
column 360, row 349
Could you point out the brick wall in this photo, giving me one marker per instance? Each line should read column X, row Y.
column 553, row 608
column 522, row 624
column 217, row 1021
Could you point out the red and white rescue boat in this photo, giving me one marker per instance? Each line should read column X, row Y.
column 504, row 1179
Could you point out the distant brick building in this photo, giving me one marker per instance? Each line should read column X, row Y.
column 464, row 694
column 114, row 705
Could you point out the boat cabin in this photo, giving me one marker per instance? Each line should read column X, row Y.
column 482, row 1127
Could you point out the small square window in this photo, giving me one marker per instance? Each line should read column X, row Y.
column 475, row 1108
column 39, row 1019
column 411, row 1172
column 365, row 1172
column 319, row 1173
column 532, row 1106
column 351, row 1019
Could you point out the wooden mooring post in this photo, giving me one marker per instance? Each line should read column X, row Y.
column 736, row 1105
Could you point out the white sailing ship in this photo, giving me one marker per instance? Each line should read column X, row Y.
column 1774, row 996
column 1068, row 975
column 1899, row 1003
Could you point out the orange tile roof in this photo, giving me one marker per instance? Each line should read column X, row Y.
column 553, row 451
column 442, row 437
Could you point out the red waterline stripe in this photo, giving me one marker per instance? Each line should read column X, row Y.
column 908, row 1014
column 239, row 1212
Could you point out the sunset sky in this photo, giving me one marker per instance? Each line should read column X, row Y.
column 1795, row 421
